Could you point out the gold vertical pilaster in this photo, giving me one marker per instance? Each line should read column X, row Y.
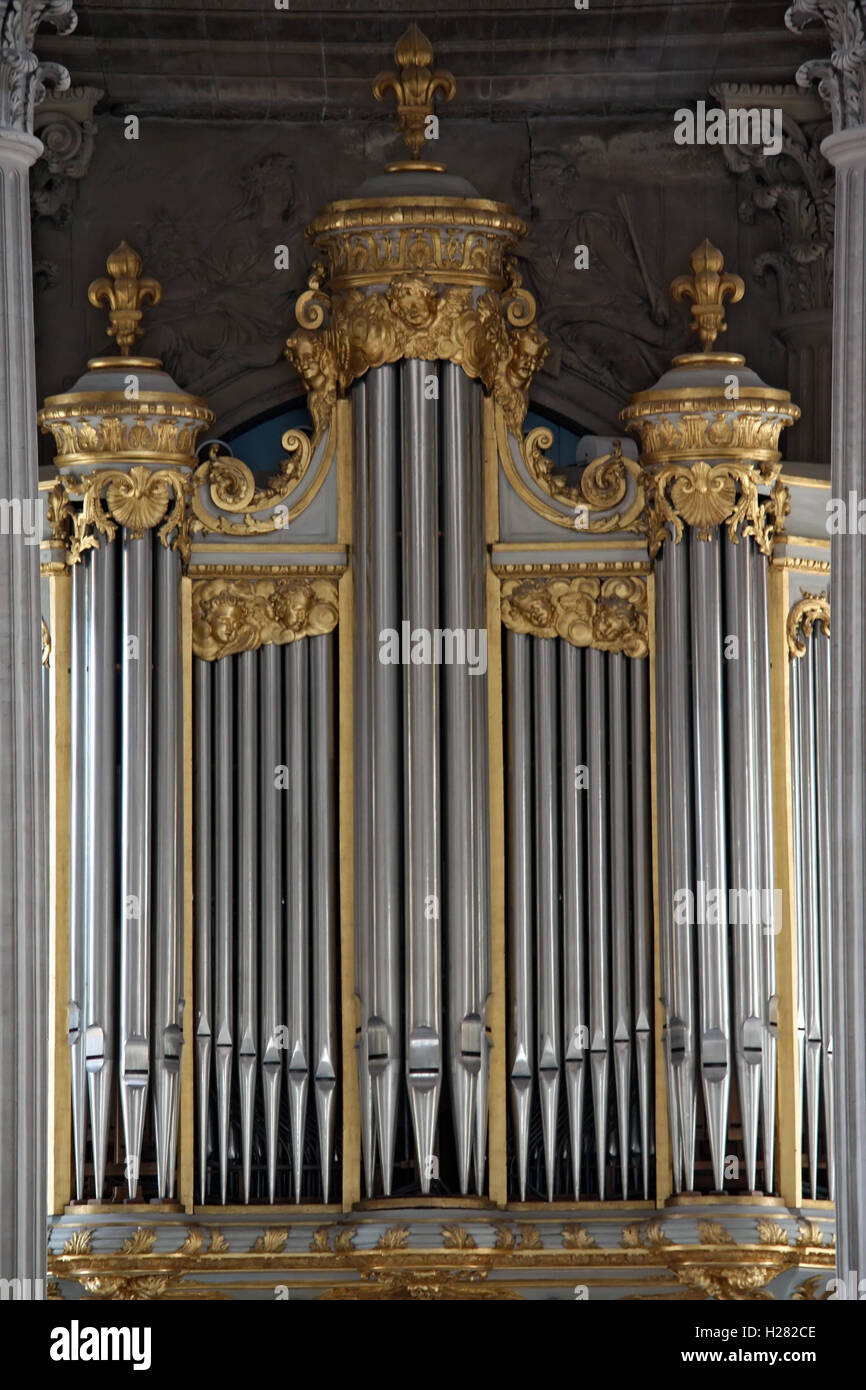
column 664, row 1159
column 498, row 1126
column 58, row 850
column 789, row 1141
column 186, row 1131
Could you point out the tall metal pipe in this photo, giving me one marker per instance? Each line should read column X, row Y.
column 710, row 843
column 765, row 868
column 820, row 652
column 247, row 832
column 620, row 901
column 79, row 877
column 798, row 823
column 297, row 716
column 667, row 926
column 167, row 850
column 598, row 903
column 547, row 891
column 641, row 887
column 421, row 762
column 135, row 829
column 810, row 935
column 204, row 906
column 324, row 896
column 272, row 793
column 363, row 790
column 676, row 714
column 745, row 922
column 384, row 1038
column 460, row 767
column 224, row 889
column 573, row 792
column 521, row 896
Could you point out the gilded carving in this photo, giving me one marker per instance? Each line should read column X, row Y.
column 421, row 1284
column 811, row 609
column 771, row 1233
column 609, row 615
column 415, row 85
column 708, row 289
column 576, row 1237
column 707, row 496
column 457, row 1238
column 141, row 1242
column 154, row 433
column 231, row 487
column 241, row 615
column 271, row 1242
column 729, row 1282
column 139, row 500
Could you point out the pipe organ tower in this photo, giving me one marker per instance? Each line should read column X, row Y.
column 440, row 897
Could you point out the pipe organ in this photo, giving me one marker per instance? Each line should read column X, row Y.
column 438, row 828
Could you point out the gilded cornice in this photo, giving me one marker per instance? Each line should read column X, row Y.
column 607, row 614
column 691, row 425
column 809, row 610
column 231, row 615
column 94, row 429
column 455, row 1261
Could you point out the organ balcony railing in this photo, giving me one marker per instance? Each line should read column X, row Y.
column 425, row 821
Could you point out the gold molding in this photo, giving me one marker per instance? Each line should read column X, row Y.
column 566, row 567
column 809, row 610
column 94, row 428
column 231, row 615
column 607, row 614
column 800, row 562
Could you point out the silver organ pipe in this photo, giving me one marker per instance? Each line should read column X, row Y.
column 246, row 733
column 204, row 909
column 270, row 868
column 297, row 849
column 765, row 871
column 167, row 885
column 810, row 747
column 579, row 915
column 363, row 649
column 224, row 891
column 323, row 914
column 135, row 822
column 79, row 878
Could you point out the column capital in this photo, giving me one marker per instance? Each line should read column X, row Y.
column 841, row 79
column 23, row 78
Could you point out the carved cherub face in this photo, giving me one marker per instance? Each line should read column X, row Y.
column 528, row 353
column 413, row 301
column 291, row 606
column 223, row 620
column 535, row 604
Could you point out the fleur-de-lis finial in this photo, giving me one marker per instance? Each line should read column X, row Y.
column 415, row 86
column 124, row 294
column 708, row 288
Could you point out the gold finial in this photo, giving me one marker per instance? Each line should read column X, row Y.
column 124, row 294
column 414, row 86
column 707, row 288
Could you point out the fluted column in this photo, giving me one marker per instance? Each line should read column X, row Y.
column 842, row 84
column 23, row 945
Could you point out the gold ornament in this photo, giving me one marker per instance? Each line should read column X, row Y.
column 124, row 294
column 609, row 615
column 708, row 288
column 240, row 615
column 705, row 497
column 811, row 609
column 415, row 86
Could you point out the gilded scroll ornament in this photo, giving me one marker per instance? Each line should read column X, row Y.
column 706, row 496
column 603, row 485
column 230, row 486
column 811, row 609
column 609, row 615
column 241, row 615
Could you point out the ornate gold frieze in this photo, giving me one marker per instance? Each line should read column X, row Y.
column 138, row 499
column 809, row 610
column 413, row 318
column 673, row 427
column 544, row 568
column 91, row 429
column 241, row 615
column 427, row 1285
column 706, row 496
column 607, row 614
